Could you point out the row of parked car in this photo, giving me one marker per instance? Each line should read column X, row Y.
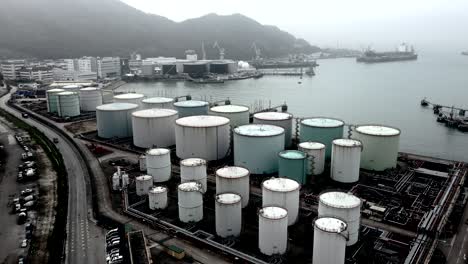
column 113, row 247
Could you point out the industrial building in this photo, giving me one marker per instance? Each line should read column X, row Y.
column 108, row 67
column 43, row 74
column 10, row 68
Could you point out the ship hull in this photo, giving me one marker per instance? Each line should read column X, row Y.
column 386, row 58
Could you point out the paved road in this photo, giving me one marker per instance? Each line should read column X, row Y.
column 458, row 246
column 85, row 242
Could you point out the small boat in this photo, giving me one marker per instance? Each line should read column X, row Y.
column 463, row 126
column 424, row 102
column 441, row 118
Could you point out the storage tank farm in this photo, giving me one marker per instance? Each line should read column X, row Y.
column 238, row 115
column 158, row 164
column 321, row 129
column 284, row 193
column 68, row 104
column 256, row 147
column 190, row 199
column 234, row 179
column 158, row 102
column 157, row 198
column 228, row 214
column 194, row 169
column 205, row 137
column 115, row 120
column 273, row 230
column 130, row 98
column 329, row 241
column 90, row 98
column 344, row 206
column 292, row 164
column 143, row 184
column 315, row 156
column 381, row 145
column 191, row 108
column 51, row 96
column 283, row 120
column 154, row 127
column 345, row 160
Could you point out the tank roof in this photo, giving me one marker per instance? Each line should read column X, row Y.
column 330, row 224
column 71, row 86
column 117, row 107
column 90, row 89
column 281, row 184
column 157, row 100
column 66, row 93
column 230, row 109
column 158, row 189
column 151, row 113
column 193, row 162
column 232, row 172
column 259, row 130
column 157, row 151
column 272, row 116
column 129, row 96
column 312, row 145
column 273, row 212
column 189, row 186
column 378, row 130
column 322, row 122
column 144, row 178
column 340, row 200
column 202, row 121
column 228, row 198
column 292, row 154
column 191, row 103
column 345, row 142
column 56, row 90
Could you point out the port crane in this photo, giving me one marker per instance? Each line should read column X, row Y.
column 257, row 50
column 221, row 50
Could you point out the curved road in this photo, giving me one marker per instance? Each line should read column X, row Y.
column 85, row 242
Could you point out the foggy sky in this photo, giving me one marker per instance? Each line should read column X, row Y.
column 428, row 24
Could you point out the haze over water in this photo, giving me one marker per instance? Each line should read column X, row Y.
column 386, row 93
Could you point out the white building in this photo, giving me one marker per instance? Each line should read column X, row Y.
column 64, row 75
column 71, row 64
column 87, row 64
column 10, row 68
column 108, row 67
column 40, row 73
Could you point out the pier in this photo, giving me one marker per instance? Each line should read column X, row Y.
column 452, row 116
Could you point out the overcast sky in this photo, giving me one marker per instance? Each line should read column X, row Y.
column 428, row 24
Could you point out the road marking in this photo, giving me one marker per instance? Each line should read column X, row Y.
column 11, row 140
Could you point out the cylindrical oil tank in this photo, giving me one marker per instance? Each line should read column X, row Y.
column 190, row 202
column 68, row 104
column 115, row 120
column 193, row 169
column 283, row 120
column 321, row 129
column 284, row 193
column 90, row 98
column 143, row 184
column 142, row 163
column 234, row 180
column 329, row 241
column 273, row 230
column 52, row 99
column 154, row 128
column 205, row 137
column 344, row 206
column 315, row 155
column 345, row 160
column 72, row 88
column 158, row 102
column 238, row 114
column 158, row 164
column 228, row 214
column 292, row 164
column 191, row 108
column 380, row 146
column 256, row 147
column 157, row 198
column 129, row 98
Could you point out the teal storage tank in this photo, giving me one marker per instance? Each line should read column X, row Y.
column 191, row 108
column 292, row 164
column 321, row 129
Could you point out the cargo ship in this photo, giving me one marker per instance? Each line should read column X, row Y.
column 465, row 53
column 403, row 53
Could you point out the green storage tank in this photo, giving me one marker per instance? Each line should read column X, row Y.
column 292, row 164
column 321, row 129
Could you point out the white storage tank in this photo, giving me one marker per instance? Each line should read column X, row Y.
column 316, row 156
column 190, row 202
column 157, row 198
column 154, row 128
column 238, row 114
column 321, row 129
column 194, row 169
column 72, row 88
column 142, row 163
column 345, row 160
column 205, row 137
column 115, row 120
column 157, row 102
column 129, row 98
column 380, row 146
column 329, row 241
column 143, row 184
column 68, row 104
column 191, row 108
column 234, row 180
column 283, row 120
column 284, row 193
column 256, row 147
column 228, row 214
column 52, row 99
column 90, row 98
column 273, row 230
column 158, row 164
column 344, row 206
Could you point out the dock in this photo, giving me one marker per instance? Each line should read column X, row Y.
column 453, row 117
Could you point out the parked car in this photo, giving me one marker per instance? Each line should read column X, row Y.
column 24, row 243
column 27, row 192
column 55, row 140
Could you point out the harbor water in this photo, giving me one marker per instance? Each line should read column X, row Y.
column 384, row 93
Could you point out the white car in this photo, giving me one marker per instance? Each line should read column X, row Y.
column 24, row 243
